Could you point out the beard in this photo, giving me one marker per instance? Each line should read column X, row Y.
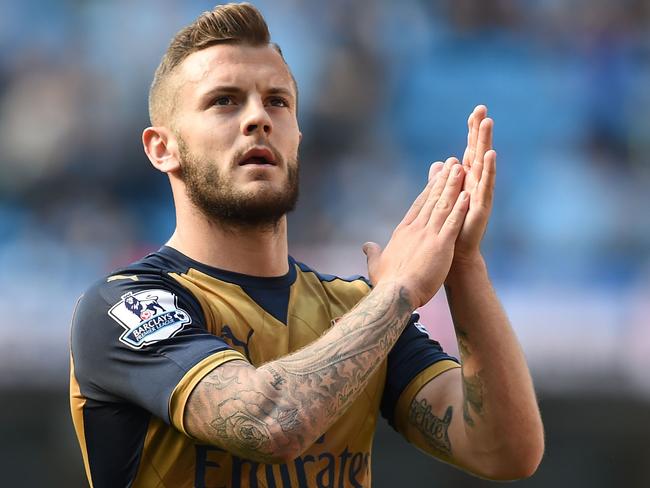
column 215, row 195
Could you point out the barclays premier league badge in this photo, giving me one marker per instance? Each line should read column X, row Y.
column 148, row 316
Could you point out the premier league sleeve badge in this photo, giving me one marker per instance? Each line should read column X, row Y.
column 148, row 316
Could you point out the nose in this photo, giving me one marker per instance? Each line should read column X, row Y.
column 256, row 119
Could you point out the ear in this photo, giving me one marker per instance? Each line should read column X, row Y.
column 161, row 148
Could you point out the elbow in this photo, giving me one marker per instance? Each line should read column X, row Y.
column 514, row 467
column 516, row 460
column 287, row 449
column 283, row 454
column 261, row 440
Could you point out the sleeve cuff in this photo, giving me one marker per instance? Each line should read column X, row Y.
column 416, row 384
column 188, row 382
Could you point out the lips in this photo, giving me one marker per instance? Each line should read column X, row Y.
column 258, row 155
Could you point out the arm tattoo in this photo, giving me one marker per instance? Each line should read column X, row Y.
column 277, row 378
column 434, row 429
column 473, row 385
column 291, row 401
column 474, row 389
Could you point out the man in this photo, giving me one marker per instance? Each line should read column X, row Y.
column 220, row 361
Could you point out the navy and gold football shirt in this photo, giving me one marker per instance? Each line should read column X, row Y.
column 143, row 337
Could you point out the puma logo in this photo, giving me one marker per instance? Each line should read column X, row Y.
column 227, row 333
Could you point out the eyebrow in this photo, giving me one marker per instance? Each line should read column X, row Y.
column 280, row 91
column 207, row 97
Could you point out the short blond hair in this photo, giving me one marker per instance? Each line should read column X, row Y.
column 234, row 23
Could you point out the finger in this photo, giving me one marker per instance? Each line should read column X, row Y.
column 445, row 202
column 454, row 221
column 434, row 169
column 372, row 250
column 473, row 180
column 437, row 190
column 470, row 125
column 417, row 204
column 485, row 189
column 483, row 145
column 449, row 164
column 479, row 113
column 484, row 140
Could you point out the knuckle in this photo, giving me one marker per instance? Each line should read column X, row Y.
column 443, row 204
column 453, row 220
column 482, row 208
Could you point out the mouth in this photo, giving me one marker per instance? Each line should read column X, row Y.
column 258, row 156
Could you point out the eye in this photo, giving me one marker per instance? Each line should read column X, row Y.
column 278, row 102
column 223, row 100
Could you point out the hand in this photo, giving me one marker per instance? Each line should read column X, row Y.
column 479, row 163
column 419, row 253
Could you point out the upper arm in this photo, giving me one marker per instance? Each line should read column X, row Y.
column 431, row 416
column 414, row 360
column 435, row 417
column 423, row 397
column 140, row 341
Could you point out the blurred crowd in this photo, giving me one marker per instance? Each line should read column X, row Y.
column 385, row 89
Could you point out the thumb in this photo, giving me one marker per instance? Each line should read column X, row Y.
column 372, row 250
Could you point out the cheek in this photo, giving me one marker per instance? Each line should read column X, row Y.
column 291, row 136
column 211, row 132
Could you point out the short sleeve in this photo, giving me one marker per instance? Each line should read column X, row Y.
column 136, row 338
column 414, row 360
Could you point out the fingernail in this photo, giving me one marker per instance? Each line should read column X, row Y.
column 463, row 195
column 456, row 169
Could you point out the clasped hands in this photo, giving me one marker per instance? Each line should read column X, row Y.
column 443, row 229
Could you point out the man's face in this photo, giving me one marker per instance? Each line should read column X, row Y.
column 238, row 135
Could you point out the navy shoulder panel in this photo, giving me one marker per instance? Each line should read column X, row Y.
column 134, row 336
column 413, row 352
column 328, row 277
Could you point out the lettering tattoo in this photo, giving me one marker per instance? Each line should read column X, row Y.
column 288, row 403
column 433, row 428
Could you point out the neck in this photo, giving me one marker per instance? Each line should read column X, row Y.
column 250, row 250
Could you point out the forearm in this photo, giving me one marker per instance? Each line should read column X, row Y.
column 500, row 412
column 278, row 410
column 274, row 412
column 499, row 434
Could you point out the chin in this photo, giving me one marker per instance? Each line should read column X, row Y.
column 264, row 186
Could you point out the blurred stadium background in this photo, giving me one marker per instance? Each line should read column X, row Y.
column 386, row 88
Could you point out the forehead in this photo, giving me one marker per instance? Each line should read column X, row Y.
column 233, row 65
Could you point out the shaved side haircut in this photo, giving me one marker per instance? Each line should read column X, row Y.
column 234, row 23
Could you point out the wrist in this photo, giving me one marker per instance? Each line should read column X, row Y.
column 405, row 294
column 466, row 267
